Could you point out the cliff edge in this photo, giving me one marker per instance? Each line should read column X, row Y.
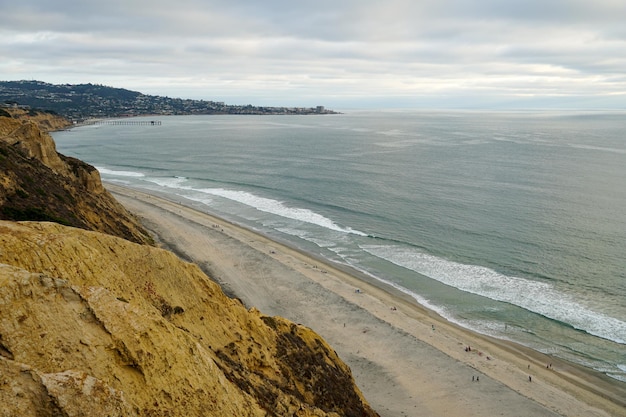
column 37, row 183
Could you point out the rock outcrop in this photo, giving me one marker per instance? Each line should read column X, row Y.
column 47, row 121
column 37, row 183
column 91, row 324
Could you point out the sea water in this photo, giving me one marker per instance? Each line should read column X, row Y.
column 511, row 224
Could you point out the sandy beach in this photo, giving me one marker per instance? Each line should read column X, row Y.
column 407, row 360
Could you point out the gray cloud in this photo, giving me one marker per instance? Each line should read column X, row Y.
column 351, row 52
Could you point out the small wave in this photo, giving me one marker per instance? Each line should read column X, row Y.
column 260, row 203
column 170, row 182
column 538, row 297
column 278, row 208
column 619, row 374
column 618, row 377
column 599, row 148
column 437, row 308
column 107, row 171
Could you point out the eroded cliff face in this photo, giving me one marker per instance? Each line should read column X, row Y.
column 37, row 183
column 46, row 121
column 91, row 324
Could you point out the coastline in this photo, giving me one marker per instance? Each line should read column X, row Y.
column 406, row 359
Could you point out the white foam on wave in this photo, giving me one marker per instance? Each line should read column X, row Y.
column 538, row 297
column 598, row 148
column 266, row 205
column 278, row 208
column 442, row 311
column 178, row 183
column 107, row 171
column 618, row 377
column 621, row 376
column 303, row 234
column 170, row 182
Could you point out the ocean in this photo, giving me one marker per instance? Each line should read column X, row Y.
column 512, row 224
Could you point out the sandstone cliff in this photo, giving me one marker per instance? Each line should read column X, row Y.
column 45, row 120
column 95, row 325
column 91, row 324
column 37, row 183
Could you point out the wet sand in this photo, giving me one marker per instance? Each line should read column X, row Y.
column 407, row 360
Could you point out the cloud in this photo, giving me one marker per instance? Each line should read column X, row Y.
column 349, row 52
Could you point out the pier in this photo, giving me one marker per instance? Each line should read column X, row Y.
column 124, row 122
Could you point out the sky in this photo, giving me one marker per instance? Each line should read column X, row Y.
column 466, row 54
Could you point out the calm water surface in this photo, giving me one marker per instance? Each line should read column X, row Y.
column 511, row 224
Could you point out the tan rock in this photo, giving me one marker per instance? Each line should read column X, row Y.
column 109, row 327
column 79, row 394
column 46, row 121
column 36, row 144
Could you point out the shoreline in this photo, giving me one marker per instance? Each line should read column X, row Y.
column 406, row 359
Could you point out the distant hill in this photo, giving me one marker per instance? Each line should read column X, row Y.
column 83, row 101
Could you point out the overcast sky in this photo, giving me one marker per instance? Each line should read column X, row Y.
column 340, row 53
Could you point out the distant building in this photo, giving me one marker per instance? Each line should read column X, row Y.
column 320, row 109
